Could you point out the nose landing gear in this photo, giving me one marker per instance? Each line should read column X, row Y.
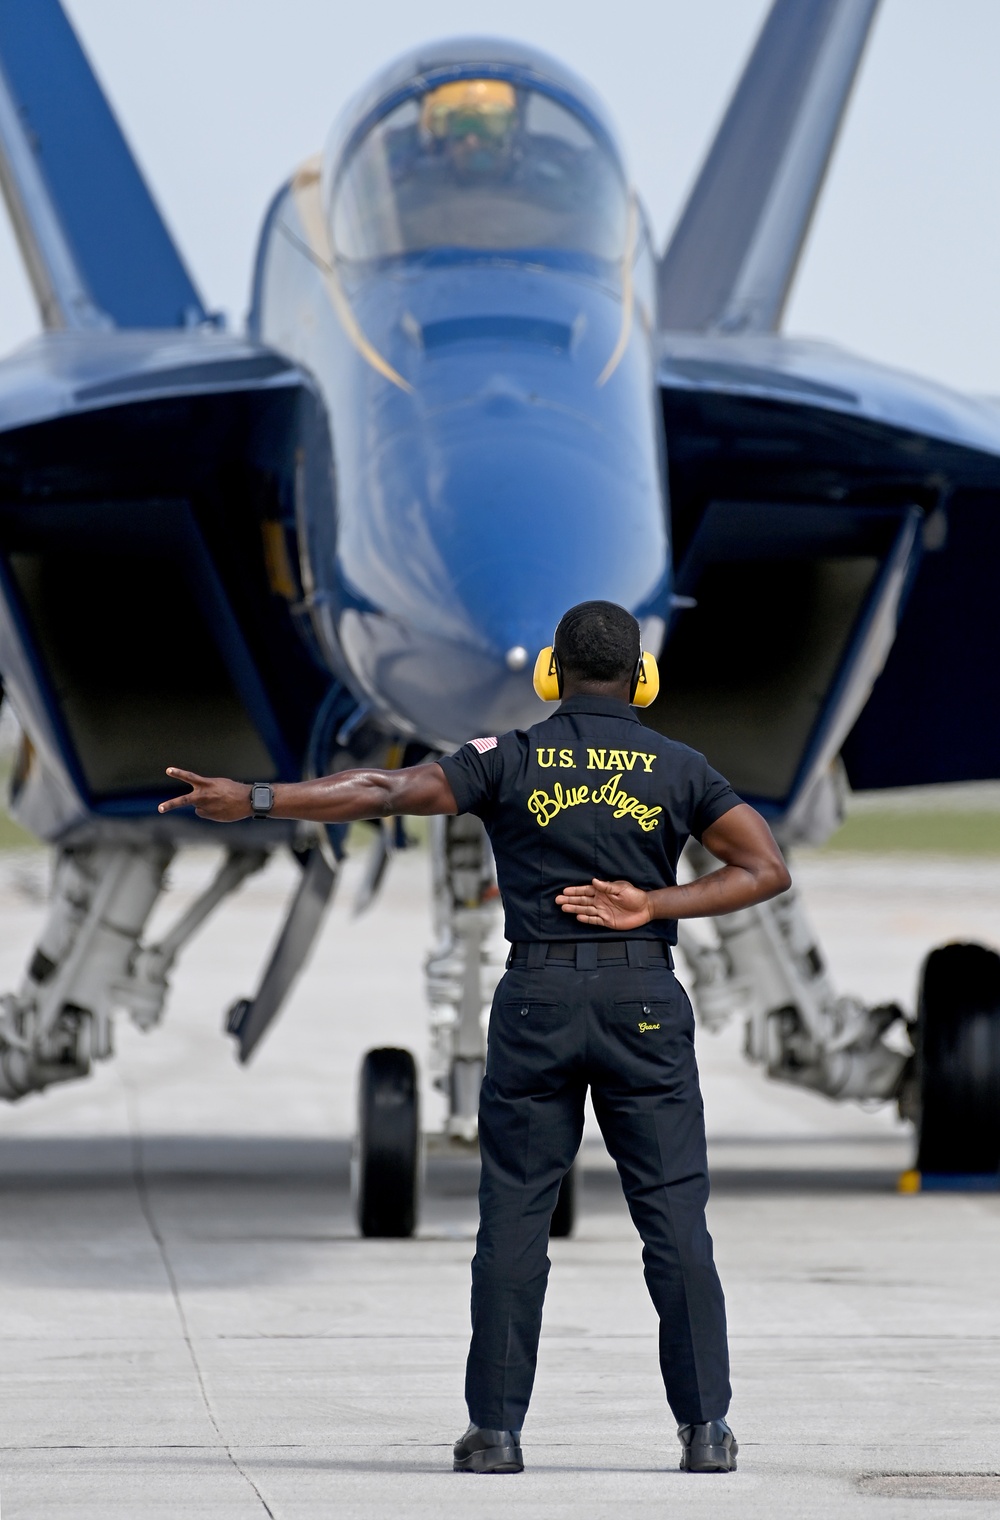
column 461, row 973
column 385, row 1170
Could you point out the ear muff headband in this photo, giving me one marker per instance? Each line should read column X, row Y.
column 547, row 678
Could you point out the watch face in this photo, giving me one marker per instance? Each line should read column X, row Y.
column 261, row 797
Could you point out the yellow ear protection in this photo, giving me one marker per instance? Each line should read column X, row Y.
column 547, row 679
column 645, row 681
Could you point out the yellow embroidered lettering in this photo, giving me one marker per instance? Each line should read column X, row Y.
column 647, row 761
column 646, row 817
column 546, row 764
column 606, row 793
column 547, row 805
column 543, row 806
column 616, row 760
column 644, row 1028
column 595, row 760
column 566, row 761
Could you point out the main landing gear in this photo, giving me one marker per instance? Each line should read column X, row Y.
column 942, row 1069
column 958, row 1062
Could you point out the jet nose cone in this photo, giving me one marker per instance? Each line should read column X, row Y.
column 443, row 690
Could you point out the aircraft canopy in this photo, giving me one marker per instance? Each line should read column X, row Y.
column 479, row 164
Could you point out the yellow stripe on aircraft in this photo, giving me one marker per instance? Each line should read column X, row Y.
column 628, row 298
column 305, row 191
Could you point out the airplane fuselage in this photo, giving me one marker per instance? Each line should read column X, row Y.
column 496, row 434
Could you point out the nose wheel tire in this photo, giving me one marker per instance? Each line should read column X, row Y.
column 386, row 1163
column 564, row 1213
column 958, row 1061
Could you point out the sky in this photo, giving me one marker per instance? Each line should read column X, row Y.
column 220, row 99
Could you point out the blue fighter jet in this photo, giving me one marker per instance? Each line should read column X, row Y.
column 470, row 394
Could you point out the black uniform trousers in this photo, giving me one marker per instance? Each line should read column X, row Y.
column 628, row 1034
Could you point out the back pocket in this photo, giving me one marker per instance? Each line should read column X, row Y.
column 533, row 1013
column 650, row 1018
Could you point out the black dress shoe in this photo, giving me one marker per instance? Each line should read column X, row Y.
column 710, row 1447
column 494, row 1451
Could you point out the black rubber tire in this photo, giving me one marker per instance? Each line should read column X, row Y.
column 564, row 1213
column 958, row 1061
column 386, row 1171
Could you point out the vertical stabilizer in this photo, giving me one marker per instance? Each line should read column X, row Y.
column 733, row 255
column 95, row 246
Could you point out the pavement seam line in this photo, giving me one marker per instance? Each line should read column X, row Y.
column 146, row 1206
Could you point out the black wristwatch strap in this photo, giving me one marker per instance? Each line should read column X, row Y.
column 261, row 799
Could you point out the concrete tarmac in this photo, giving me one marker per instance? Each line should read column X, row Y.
column 191, row 1327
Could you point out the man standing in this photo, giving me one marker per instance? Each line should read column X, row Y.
column 587, row 813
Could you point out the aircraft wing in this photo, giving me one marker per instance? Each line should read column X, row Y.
column 152, row 597
column 150, row 480
column 96, row 247
column 829, row 515
column 732, row 257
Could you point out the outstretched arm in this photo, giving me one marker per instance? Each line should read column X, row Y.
column 753, row 870
column 415, row 790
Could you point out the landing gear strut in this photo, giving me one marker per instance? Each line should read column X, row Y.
column 90, row 960
column 462, row 969
column 763, row 965
column 943, row 1070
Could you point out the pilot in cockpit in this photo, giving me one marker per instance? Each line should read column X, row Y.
column 479, row 164
column 472, row 124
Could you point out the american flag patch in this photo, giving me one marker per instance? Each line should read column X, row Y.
column 482, row 745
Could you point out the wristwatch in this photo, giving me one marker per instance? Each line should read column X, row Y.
column 261, row 799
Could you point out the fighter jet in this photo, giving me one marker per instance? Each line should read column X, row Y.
column 471, row 393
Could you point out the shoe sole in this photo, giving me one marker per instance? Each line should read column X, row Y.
column 711, row 1459
column 494, row 1459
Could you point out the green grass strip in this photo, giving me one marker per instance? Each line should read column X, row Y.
column 870, row 833
column 12, row 836
column 919, row 833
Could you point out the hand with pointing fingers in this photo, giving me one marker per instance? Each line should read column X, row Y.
column 214, row 797
column 607, row 904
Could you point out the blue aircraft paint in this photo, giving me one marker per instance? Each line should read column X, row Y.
column 444, row 446
column 496, row 481
column 125, row 254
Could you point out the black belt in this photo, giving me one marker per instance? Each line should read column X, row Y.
column 588, row 954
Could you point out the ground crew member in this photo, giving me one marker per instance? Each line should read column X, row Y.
column 587, row 813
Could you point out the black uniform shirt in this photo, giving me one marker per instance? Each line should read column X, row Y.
column 589, row 792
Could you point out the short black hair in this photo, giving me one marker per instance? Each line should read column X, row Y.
column 598, row 641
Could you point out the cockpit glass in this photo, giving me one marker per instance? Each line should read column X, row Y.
column 480, row 164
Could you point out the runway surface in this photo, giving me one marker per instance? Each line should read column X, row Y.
column 190, row 1326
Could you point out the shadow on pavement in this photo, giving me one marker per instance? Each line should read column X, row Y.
column 794, row 1165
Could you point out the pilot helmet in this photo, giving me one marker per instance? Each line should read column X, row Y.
column 484, row 109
